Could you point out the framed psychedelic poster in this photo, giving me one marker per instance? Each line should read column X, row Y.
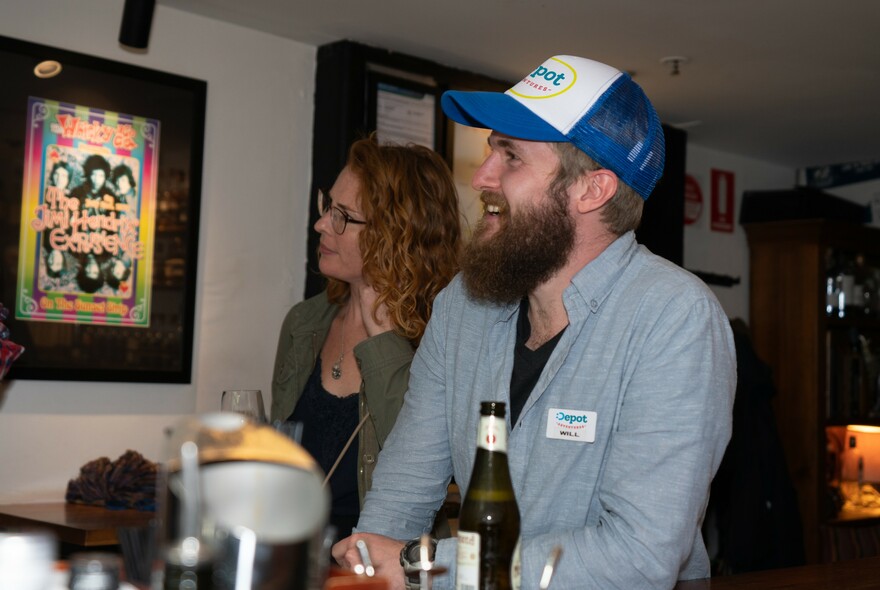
column 88, row 217
column 100, row 182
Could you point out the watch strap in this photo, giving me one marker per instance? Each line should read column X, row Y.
column 411, row 562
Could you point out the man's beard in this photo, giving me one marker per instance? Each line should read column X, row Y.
column 526, row 250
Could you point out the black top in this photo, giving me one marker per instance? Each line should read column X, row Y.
column 328, row 421
column 527, row 364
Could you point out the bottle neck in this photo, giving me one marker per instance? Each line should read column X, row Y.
column 492, row 435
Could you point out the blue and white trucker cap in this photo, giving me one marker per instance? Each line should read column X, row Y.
column 597, row 108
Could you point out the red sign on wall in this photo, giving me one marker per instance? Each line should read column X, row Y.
column 693, row 200
column 722, row 201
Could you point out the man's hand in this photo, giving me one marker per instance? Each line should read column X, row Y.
column 384, row 553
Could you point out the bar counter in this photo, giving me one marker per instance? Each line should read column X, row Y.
column 855, row 574
column 76, row 524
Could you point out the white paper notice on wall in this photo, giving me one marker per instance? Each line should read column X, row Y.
column 405, row 116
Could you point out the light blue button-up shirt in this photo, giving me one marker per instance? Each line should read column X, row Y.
column 650, row 351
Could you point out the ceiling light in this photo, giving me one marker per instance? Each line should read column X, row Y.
column 47, row 69
column 674, row 62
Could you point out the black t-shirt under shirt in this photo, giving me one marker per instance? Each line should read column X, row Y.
column 527, row 364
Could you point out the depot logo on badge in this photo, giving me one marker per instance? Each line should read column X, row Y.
column 571, row 425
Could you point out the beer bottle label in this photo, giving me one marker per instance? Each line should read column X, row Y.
column 493, row 434
column 467, row 563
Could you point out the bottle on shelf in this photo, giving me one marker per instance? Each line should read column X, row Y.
column 830, row 282
column 832, row 294
column 847, row 282
column 488, row 526
column 837, row 283
column 870, row 277
column 860, row 285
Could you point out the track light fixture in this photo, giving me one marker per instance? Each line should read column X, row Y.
column 137, row 18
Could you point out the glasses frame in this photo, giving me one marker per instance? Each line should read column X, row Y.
column 337, row 214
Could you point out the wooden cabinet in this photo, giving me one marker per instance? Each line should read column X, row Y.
column 823, row 368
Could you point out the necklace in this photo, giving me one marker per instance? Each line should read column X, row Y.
column 336, row 370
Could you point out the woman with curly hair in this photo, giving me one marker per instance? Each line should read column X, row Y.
column 390, row 240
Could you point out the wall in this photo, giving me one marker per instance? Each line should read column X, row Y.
column 864, row 193
column 252, row 239
column 251, row 245
column 727, row 253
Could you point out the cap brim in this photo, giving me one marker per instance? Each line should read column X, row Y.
column 499, row 112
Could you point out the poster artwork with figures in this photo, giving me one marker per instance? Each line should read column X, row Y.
column 88, row 216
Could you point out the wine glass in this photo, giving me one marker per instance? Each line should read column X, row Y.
column 248, row 402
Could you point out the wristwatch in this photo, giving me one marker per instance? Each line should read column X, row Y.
column 411, row 560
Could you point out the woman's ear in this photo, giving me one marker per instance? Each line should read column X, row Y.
column 594, row 189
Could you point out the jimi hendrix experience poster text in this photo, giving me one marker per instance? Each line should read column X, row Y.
column 88, row 216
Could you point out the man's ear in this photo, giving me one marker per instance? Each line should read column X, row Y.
column 594, row 189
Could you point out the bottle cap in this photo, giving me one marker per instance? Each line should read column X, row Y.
column 492, row 408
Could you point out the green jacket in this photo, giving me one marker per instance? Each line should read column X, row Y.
column 383, row 361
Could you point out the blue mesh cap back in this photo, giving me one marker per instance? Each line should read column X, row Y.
column 623, row 133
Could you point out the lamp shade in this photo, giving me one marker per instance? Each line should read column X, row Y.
column 261, row 504
column 862, row 445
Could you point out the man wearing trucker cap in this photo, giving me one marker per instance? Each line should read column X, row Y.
column 561, row 314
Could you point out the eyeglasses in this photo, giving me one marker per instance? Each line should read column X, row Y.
column 339, row 219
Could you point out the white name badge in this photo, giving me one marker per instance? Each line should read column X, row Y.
column 571, row 425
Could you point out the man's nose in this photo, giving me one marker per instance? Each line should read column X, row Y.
column 486, row 176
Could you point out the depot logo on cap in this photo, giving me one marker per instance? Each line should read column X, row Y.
column 563, row 88
column 550, row 79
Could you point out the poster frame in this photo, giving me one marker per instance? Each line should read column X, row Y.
column 162, row 351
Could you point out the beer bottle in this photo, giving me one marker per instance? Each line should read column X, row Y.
column 488, row 525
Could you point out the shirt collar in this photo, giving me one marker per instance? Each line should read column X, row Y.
column 592, row 285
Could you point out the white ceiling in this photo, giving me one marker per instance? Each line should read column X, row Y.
column 793, row 82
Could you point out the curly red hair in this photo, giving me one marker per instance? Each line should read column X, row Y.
column 412, row 239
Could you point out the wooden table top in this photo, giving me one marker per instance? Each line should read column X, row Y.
column 77, row 524
column 856, row 574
